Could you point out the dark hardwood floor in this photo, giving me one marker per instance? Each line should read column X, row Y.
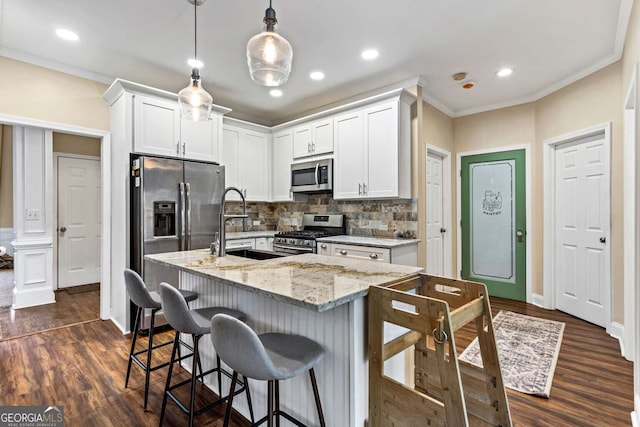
column 82, row 367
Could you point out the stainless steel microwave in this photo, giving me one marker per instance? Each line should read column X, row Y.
column 311, row 177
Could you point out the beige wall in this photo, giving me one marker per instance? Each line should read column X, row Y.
column 35, row 92
column 591, row 101
column 76, row 144
column 6, row 176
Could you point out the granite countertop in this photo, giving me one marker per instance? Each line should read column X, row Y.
column 316, row 282
column 374, row 242
column 233, row 235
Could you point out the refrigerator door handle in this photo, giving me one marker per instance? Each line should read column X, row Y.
column 183, row 226
column 188, row 194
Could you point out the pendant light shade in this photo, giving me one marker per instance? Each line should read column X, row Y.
column 195, row 102
column 269, row 55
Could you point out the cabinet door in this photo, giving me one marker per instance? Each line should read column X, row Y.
column 302, row 136
column 349, row 162
column 323, row 248
column 230, row 158
column 281, row 166
column 254, row 165
column 199, row 140
column 322, row 141
column 381, row 141
column 156, row 126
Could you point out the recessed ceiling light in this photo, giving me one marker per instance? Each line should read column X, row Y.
column 66, row 34
column 316, row 75
column 276, row 93
column 195, row 63
column 369, row 54
column 504, row 72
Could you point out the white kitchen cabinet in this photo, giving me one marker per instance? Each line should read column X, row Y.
column 362, row 252
column 264, row 243
column 240, row 243
column 323, row 249
column 159, row 129
column 372, row 158
column 282, row 147
column 313, row 138
column 245, row 155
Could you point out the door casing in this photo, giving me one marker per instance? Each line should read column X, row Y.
column 530, row 231
column 549, row 241
column 446, row 206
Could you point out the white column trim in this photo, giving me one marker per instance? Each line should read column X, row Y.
column 105, row 148
column 529, row 222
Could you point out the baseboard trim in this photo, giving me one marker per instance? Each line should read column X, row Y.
column 537, row 300
column 616, row 330
column 119, row 326
column 635, row 422
column 635, row 415
column 32, row 298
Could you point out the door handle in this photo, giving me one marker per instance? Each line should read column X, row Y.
column 520, row 234
column 317, row 168
column 603, row 240
column 188, row 198
column 63, row 229
column 183, row 245
column 443, row 230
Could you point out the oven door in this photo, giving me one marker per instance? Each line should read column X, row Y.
column 293, row 250
column 312, row 176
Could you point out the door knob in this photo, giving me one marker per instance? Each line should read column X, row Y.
column 443, row 230
column 519, row 234
column 603, row 240
column 63, row 229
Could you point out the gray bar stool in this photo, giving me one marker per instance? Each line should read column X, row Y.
column 142, row 298
column 197, row 323
column 267, row 357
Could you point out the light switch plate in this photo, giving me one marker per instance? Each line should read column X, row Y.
column 33, row 214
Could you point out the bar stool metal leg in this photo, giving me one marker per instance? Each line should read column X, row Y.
column 134, row 331
column 277, row 411
column 147, row 373
column 176, row 343
column 316, row 395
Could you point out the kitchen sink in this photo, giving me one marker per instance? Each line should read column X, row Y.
column 255, row 254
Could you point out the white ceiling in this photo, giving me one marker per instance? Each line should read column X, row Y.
column 550, row 43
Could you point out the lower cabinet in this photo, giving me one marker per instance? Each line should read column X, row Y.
column 362, row 252
column 264, row 243
column 240, row 243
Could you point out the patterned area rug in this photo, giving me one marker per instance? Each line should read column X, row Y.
column 528, row 348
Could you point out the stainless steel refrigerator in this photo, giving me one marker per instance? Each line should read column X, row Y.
column 175, row 206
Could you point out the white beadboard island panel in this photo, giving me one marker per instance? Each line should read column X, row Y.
column 312, row 295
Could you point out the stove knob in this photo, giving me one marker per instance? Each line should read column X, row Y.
column 292, row 241
column 306, row 243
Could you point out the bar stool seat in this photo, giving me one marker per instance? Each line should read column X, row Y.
column 196, row 322
column 144, row 299
column 268, row 357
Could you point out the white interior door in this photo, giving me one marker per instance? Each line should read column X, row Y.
column 582, row 221
column 435, row 215
column 79, row 224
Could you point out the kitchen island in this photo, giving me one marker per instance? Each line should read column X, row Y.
column 316, row 296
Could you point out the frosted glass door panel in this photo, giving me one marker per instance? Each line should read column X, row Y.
column 492, row 212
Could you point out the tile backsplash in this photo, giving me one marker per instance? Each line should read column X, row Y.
column 379, row 218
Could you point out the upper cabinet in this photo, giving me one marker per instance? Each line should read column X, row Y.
column 282, row 146
column 154, row 118
column 246, row 157
column 313, row 138
column 372, row 157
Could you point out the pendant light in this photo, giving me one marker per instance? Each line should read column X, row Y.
column 269, row 54
column 195, row 102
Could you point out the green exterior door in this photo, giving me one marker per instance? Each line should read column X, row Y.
column 493, row 212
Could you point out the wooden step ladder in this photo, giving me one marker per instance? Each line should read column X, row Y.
column 446, row 391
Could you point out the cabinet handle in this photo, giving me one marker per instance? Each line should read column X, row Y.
column 343, row 252
column 178, row 148
column 364, row 188
column 313, row 147
column 373, row 256
column 183, row 148
column 359, row 188
column 309, row 147
column 323, row 246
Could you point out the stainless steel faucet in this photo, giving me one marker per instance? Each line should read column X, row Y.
column 223, row 219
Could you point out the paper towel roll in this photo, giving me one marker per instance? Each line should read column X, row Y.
column 3, row 250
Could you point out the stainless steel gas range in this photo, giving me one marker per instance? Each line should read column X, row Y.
column 314, row 227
